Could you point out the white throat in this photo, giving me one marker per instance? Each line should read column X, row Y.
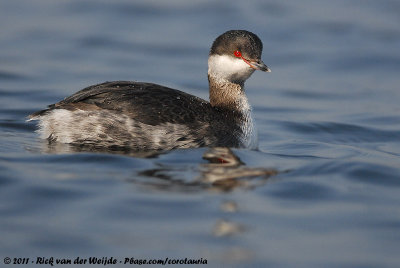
column 229, row 68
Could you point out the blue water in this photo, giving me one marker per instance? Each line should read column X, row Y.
column 328, row 117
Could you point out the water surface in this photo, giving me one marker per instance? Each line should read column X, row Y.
column 327, row 115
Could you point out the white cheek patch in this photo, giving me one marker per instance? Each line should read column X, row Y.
column 229, row 68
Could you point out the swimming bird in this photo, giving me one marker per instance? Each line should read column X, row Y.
column 144, row 116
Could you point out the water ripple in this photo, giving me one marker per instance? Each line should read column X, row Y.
column 12, row 76
column 341, row 132
column 17, row 125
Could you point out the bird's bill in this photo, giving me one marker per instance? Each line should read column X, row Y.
column 259, row 65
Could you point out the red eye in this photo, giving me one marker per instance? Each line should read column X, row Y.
column 237, row 53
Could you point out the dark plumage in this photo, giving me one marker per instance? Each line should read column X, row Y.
column 246, row 42
column 138, row 100
column 144, row 116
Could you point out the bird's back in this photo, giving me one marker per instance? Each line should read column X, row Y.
column 141, row 116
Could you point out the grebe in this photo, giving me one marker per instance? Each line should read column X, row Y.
column 145, row 116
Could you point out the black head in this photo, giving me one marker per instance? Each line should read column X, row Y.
column 235, row 55
column 244, row 41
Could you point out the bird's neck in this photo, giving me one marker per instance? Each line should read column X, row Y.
column 228, row 95
column 231, row 98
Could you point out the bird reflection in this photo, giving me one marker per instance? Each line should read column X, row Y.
column 224, row 172
column 219, row 171
column 64, row 148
